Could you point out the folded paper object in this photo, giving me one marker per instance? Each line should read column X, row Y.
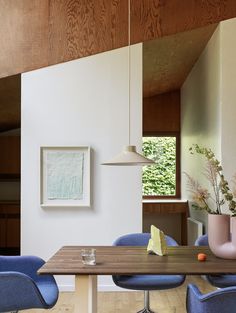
column 157, row 243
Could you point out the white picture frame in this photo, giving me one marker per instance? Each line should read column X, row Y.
column 65, row 176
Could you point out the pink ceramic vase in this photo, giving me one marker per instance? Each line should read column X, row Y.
column 222, row 235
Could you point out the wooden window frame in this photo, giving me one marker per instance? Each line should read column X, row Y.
column 178, row 176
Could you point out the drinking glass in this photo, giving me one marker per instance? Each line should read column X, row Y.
column 88, row 256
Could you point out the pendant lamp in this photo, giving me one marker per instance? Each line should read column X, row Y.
column 129, row 155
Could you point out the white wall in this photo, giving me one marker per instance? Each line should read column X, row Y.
column 83, row 102
column 208, row 106
column 228, row 143
column 200, row 113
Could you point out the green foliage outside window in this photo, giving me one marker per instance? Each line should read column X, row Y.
column 159, row 179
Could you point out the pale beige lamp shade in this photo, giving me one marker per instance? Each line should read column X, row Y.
column 128, row 157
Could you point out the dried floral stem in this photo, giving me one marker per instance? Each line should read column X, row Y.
column 214, row 174
column 211, row 175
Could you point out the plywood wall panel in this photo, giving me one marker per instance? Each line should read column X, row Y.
column 157, row 18
column 10, row 156
column 161, row 113
column 82, row 28
column 37, row 33
column 24, row 35
column 167, row 61
column 10, row 99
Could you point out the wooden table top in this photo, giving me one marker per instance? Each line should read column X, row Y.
column 135, row 260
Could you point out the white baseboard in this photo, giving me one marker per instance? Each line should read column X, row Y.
column 101, row 288
column 109, row 288
column 66, row 288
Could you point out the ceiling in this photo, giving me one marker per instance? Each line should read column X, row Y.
column 167, row 61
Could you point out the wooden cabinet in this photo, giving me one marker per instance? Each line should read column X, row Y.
column 153, row 210
column 9, row 227
column 9, row 210
column 9, row 157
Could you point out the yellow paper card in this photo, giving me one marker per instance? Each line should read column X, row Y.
column 157, row 243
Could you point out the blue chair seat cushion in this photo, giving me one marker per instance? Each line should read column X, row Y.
column 219, row 281
column 222, row 281
column 148, row 282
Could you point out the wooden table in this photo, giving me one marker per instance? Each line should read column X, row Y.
column 129, row 261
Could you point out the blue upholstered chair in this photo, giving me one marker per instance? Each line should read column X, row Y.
column 145, row 282
column 220, row 281
column 20, row 286
column 219, row 301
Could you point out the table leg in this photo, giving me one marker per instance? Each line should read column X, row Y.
column 85, row 294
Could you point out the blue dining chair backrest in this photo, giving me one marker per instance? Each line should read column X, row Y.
column 21, row 288
column 219, row 301
column 202, row 240
column 140, row 239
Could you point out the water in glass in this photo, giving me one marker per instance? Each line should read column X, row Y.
column 88, row 256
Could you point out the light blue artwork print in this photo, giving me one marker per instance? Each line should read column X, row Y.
column 64, row 175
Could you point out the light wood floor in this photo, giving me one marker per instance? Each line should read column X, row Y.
column 168, row 301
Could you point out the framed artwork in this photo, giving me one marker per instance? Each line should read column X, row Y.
column 65, row 176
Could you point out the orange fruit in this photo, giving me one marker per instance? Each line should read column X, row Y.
column 201, row 257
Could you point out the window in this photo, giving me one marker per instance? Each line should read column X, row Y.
column 162, row 179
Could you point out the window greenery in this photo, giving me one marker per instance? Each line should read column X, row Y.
column 160, row 179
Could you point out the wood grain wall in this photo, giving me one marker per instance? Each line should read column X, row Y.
column 10, row 157
column 161, row 113
column 37, row 33
column 10, row 100
column 156, row 18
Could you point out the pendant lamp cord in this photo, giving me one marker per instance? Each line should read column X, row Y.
column 129, row 66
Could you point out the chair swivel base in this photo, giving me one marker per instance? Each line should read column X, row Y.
column 146, row 303
column 145, row 310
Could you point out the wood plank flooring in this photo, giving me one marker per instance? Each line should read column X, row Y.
column 165, row 301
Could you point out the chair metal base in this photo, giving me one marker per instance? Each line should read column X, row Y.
column 145, row 311
column 146, row 303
